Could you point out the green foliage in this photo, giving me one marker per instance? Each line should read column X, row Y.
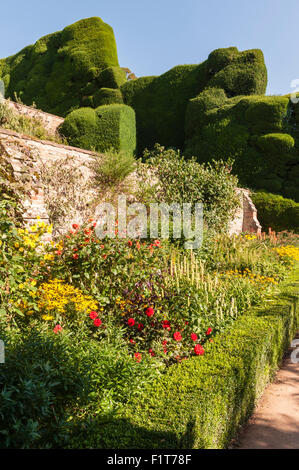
column 109, row 126
column 160, row 102
column 202, row 402
column 276, row 212
column 176, row 180
column 106, row 96
column 249, row 130
column 55, row 71
column 238, row 73
column 40, row 378
column 112, row 168
column 112, row 77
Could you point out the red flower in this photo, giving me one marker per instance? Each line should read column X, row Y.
column 165, row 351
column 130, row 243
column 193, row 336
column 75, row 256
column 131, row 322
column 57, row 328
column 151, row 352
column 75, row 226
column 199, row 350
column 209, row 331
column 177, row 336
column 58, row 252
column 132, row 341
column 97, row 322
column 140, row 326
column 164, row 342
column 93, row 315
column 150, row 311
column 166, row 324
column 138, row 357
column 157, row 243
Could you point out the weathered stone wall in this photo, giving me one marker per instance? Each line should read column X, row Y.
column 27, row 156
column 245, row 219
column 49, row 121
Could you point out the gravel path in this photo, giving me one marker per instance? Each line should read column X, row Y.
column 275, row 423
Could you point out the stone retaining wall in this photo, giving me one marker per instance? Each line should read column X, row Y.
column 28, row 154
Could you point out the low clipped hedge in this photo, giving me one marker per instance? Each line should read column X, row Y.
column 107, row 127
column 276, row 212
column 202, row 402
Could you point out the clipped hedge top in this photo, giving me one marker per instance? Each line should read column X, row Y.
column 55, row 70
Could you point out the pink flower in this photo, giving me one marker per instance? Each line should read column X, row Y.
column 57, row 328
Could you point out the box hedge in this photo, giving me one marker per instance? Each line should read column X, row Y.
column 276, row 212
column 107, row 127
column 202, row 402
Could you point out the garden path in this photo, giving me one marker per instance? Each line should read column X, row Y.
column 275, row 423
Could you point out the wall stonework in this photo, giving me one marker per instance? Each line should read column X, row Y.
column 49, row 121
column 27, row 155
column 245, row 219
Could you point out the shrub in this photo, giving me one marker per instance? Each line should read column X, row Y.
column 253, row 131
column 112, row 77
column 56, row 69
column 41, row 377
column 174, row 179
column 112, row 168
column 106, row 96
column 276, row 212
column 109, row 126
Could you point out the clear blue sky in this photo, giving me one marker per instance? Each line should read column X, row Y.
column 154, row 35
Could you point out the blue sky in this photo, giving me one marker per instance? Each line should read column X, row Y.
column 154, row 35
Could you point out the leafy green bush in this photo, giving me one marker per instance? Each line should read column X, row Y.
column 55, row 71
column 276, row 212
column 174, row 179
column 109, row 126
column 40, row 378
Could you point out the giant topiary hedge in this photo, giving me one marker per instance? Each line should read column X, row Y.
column 160, row 102
column 252, row 130
column 107, row 127
column 61, row 69
column 276, row 212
